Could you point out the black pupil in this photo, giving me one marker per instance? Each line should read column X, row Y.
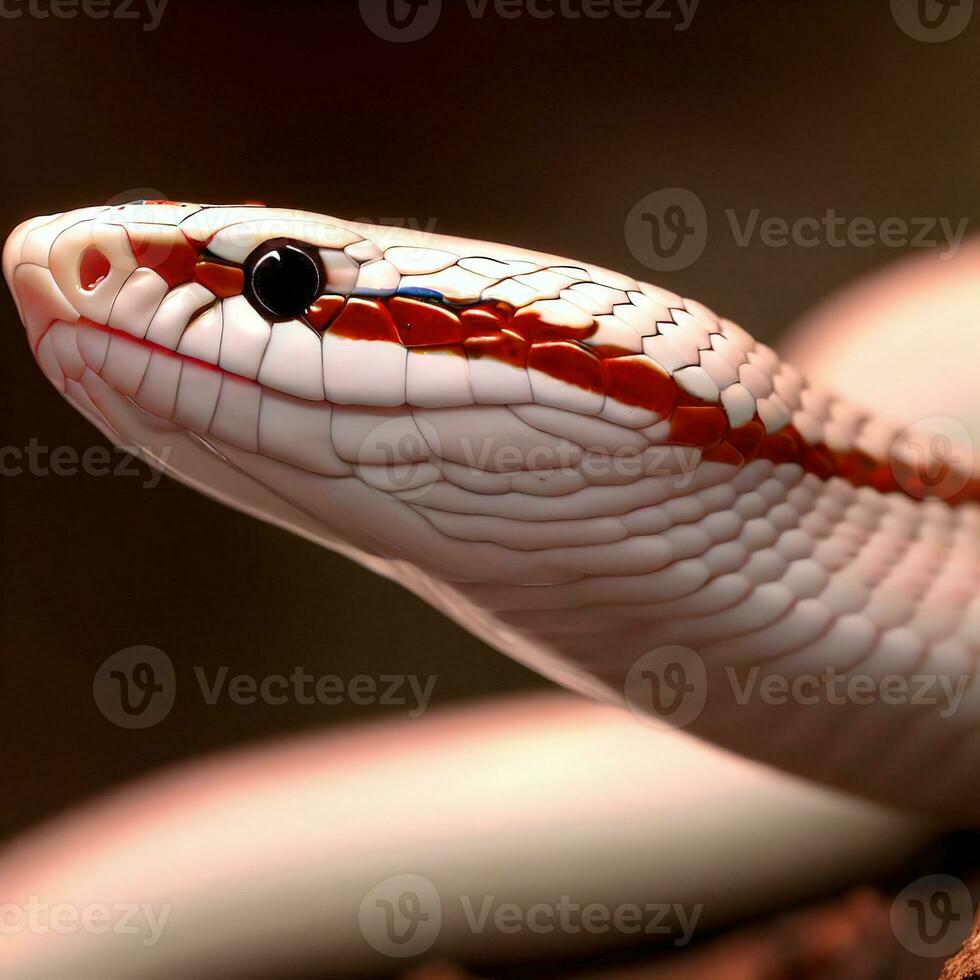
column 284, row 279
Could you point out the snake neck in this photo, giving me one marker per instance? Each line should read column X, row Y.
column 811, row 612
column 831, row 605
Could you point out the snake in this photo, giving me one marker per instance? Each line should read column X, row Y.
column 608, row 482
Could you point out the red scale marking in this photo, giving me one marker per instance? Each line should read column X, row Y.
column 747, row 439
column 322, row 312
column 488, row 333
column 222, row 280
column 530, row 325
column 365, row 319
column 820, row 461
column 522, row 339
column 702, row 426
column 177, row 259
column 636, row 380
column 567, row 360
column 505, row 346
column 485, row 319
column 862, row 470
column 167, row 251
column 785, row 446
column 424, row 324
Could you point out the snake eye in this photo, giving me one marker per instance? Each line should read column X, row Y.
column 282, row 278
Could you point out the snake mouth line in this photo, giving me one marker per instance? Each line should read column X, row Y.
column 154, row 347
column 920, row 479
column 416, row 348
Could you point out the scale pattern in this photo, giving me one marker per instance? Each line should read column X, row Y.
column 576, row 466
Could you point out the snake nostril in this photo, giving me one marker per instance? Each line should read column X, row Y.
column 94, row 267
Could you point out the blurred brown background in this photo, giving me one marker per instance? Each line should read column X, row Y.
column 539, row 132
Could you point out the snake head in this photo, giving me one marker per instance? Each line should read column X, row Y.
column 579, row 468
column 436, row 400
